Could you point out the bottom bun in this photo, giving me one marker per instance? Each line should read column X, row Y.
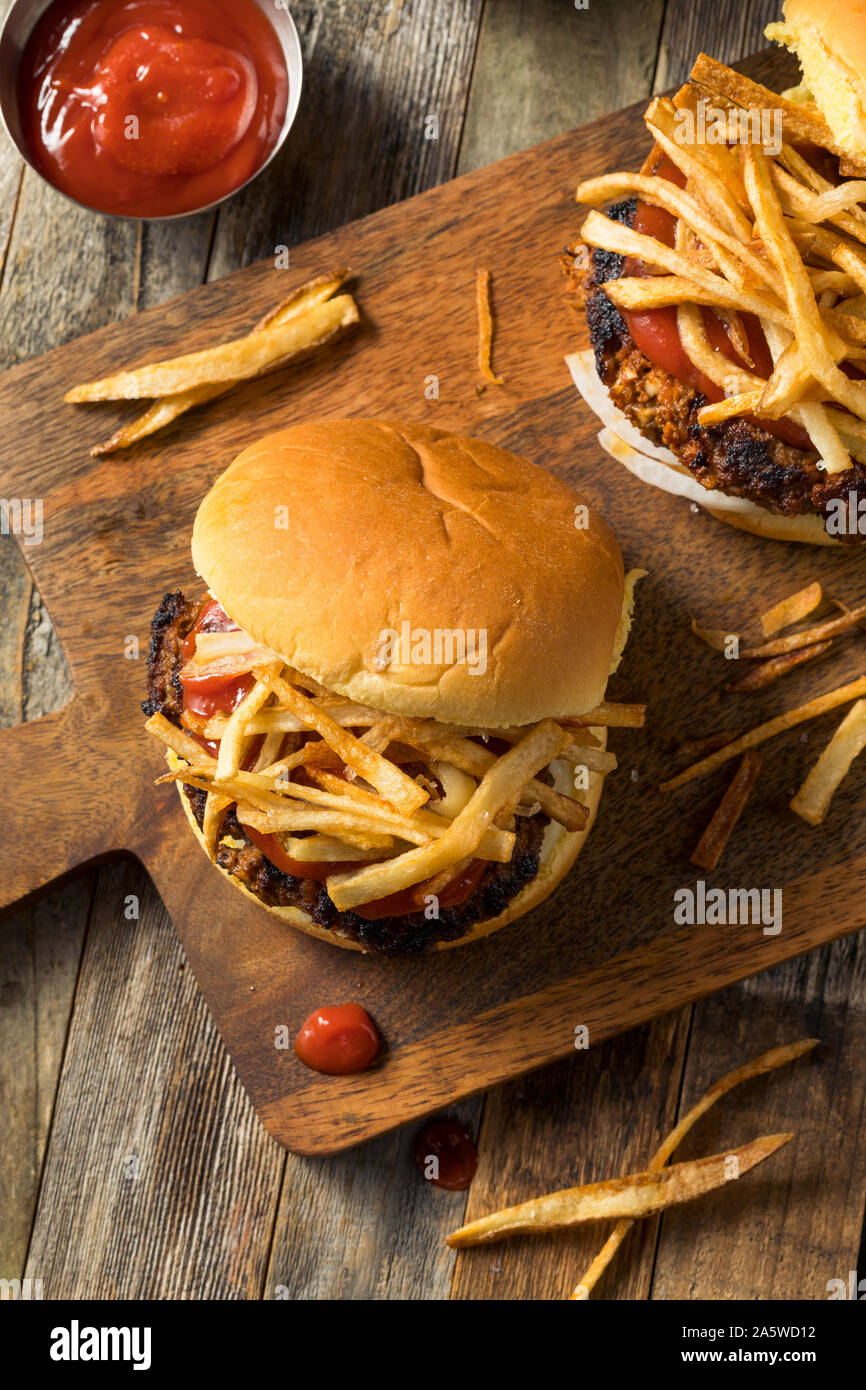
column 807, row 529
column 559, row 849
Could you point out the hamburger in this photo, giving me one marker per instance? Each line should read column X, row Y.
column 830, row 43
column 384, row 711
column 725, row 296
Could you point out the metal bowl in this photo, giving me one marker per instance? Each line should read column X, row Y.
column 17, row 28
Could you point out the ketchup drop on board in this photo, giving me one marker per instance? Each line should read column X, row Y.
column 338, row 1039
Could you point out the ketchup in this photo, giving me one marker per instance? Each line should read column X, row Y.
column 338, row 1039
column 656, row 333
column 446, row 1155
column 412, row 899
column 151, row 107
column 211, row 693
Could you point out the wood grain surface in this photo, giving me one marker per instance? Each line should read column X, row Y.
column 375, row 1230
column 117, row 533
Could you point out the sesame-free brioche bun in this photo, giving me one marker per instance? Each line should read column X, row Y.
column 322, row 538
column 808, row 529
column 559, row 849
column 829, row 38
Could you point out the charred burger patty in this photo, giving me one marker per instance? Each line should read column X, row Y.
column 404, row 935
column 736, row 457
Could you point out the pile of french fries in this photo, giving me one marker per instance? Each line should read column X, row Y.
column 775, row 656
column 355, row 801
column 641, row 1194
column 307, row 319
column 759, row 234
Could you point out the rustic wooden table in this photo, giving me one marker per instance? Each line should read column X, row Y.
column 133, row 1166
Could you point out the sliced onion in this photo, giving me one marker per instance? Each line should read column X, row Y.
column 457, row 786
column 660, row 467
column 226, row 667
column 682, row 484
column 670, row 479
column 210, row 646
column 594, row 392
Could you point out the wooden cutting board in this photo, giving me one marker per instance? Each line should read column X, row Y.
column 605, row 951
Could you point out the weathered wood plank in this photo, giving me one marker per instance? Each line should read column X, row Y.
column 171, row 257
column 790, row 1229
column 11, row 166
column 544, row 67
column 67, row 272
column 360, row 140
column 366, row 1224
column 41, row 948
column 581, row 1121
column 181, row 1180
column 15, row 592
column 11, row 173
column 728, row 30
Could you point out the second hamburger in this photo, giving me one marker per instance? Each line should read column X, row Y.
column 725, row 292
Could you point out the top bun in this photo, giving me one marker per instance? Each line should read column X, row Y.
column 829, row 38
column 323, row 540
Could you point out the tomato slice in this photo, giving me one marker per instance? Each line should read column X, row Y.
column 412, row 899
column 656, row 334
column 394, row 905
column 299, row 868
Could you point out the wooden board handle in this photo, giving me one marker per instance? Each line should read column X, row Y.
column 57, row 807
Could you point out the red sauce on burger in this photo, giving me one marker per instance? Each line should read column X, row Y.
column 208, row 694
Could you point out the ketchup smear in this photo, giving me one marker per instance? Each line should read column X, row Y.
column 655, row 330
column 446, row 1155
column 149, row 108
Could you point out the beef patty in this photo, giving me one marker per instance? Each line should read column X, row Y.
column 389, row 936
column 736, row 457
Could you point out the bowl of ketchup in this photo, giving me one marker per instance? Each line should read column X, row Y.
column 149, row 108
